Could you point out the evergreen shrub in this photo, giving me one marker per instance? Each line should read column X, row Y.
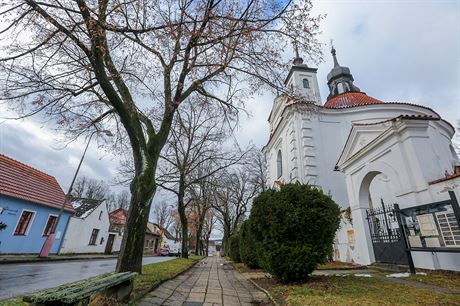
column 234, row 248
column 248, row 246
column 294, row 229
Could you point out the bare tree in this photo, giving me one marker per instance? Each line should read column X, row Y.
column 163, row 215
column 256, row 167
column 201, row 194
column 118, row 200
column 232, row 198
column 209, row 225
column 128, row 65
column 192, row 154
column 89, row 188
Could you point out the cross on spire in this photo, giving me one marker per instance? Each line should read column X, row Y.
column 336, row 63
column 297, row 60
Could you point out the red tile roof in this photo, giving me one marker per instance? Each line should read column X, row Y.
column 118, row 216
column 348, row 99
column 23, row 182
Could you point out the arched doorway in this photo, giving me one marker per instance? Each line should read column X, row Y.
column 378, row 197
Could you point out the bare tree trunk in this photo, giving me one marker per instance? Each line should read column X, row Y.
column 130, row 257
column 183, row 217
column 198, row 243
column 226, row 236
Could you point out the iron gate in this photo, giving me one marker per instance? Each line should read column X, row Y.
column 387, row 241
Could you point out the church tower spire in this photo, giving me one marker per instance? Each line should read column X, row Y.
column 340, row 79
column 336, row 63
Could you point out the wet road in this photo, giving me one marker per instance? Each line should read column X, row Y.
column 17, row 279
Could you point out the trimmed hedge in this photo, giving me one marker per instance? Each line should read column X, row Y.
column 234, row 248
column 248, row 246
column 294, row 229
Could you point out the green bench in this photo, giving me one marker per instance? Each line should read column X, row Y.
column 117, row 285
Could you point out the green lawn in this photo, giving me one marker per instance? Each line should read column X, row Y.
column 15, row 302
column 152, row 275
column 351, row 290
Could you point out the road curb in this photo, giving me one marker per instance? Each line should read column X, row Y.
column 32, row 260
column 264, row 291
column 255, row 284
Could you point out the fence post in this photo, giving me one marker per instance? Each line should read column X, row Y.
column 455, row 206
column 389, row 231
column 403, row 234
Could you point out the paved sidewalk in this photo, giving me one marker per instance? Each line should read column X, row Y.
column 210, row 282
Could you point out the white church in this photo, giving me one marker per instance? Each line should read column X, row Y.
column 369, row 155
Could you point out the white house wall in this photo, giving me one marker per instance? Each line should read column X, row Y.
column 79, row 231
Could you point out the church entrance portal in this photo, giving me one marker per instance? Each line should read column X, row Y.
column 376, row 195
column 386, row 235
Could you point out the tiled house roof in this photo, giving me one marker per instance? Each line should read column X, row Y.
column 118, row 216
column 23, row 182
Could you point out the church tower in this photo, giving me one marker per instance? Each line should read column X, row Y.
column 302, row 80
column 340, row 79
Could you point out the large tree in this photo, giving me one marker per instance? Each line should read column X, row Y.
column 128, row 65
column 193, row 153
column 232, row 198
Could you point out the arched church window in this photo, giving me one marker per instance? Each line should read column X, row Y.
column 306, row 84
column 340, row 88
column 279, row 164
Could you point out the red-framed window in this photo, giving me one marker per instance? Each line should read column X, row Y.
column 50, row 227
column 24, row 223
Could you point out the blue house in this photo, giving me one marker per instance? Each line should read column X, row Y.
column 29, row 207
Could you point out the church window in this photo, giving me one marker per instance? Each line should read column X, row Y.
column 340, row 88
column 306, row 84
column 279, row 164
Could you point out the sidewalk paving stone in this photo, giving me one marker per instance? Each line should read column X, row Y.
column 210, row 283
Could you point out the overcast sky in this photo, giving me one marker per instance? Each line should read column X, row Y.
column 405, row 51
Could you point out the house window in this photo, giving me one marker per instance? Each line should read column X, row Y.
column 50, row 225
column 24, row 222
column 100, row 215
column 279, row 164
column 92, row 240
column 146, row 244
column 306, row 84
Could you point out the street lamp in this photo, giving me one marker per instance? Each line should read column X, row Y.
column 47, row 245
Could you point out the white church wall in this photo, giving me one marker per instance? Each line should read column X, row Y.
column 311, row 139
column 394, row 156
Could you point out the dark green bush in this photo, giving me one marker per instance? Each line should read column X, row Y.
column 248, row 243
column 234, row 248
column 294, row 229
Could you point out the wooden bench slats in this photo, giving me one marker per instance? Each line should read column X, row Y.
column 49, row 294
column 94, row 288
column 75, row 291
